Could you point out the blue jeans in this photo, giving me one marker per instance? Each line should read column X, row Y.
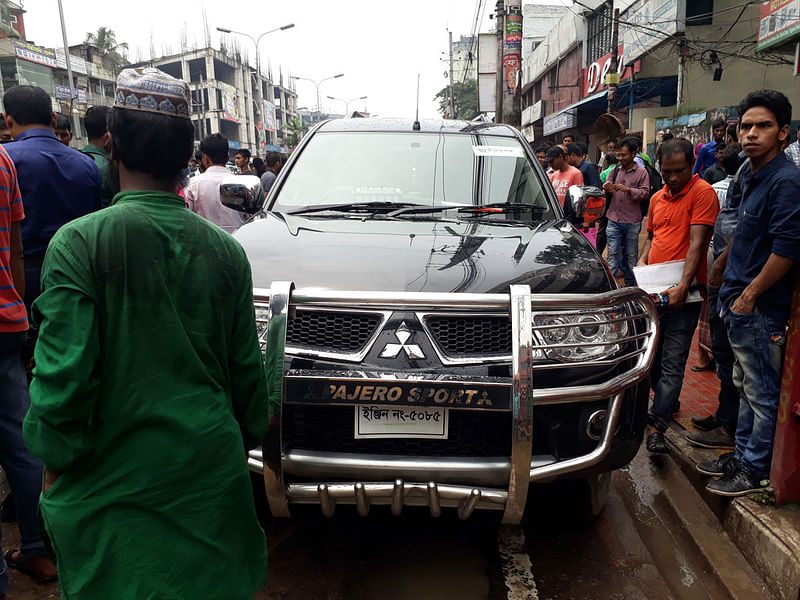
column 758, row 343
column 728, row 410
column 623, row 248
column 23, row 470
column 666, row 376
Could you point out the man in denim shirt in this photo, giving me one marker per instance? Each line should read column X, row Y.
column 756, row 293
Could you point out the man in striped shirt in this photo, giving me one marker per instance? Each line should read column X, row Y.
column 24, row 472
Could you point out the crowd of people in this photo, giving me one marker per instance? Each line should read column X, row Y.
column 725, row 210
column 136, row 316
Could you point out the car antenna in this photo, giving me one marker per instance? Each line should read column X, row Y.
column 416, row 126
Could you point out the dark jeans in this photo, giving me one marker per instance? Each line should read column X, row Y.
column 758, row 343
column 666, row 377
column 728, row 410
column 23, row 470
column 602, row 236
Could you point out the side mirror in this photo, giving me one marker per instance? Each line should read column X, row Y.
column 242, row 193
column 587, row 203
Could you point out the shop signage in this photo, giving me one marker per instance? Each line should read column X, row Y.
column 594, row 76
column 64, row 93
column 269, row 116
column 230, row 110
column 650, row 23
column 558, row 122
column 532, row 113
column 36, row 54
column 76, row 63
column 780, row 22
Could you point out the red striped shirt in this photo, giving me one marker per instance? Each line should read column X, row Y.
column 13, row 316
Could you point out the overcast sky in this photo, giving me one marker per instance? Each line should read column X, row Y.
column 380, row 46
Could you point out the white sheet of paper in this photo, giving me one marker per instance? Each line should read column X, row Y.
column 654, row 279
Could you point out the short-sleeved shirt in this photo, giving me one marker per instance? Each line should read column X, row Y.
column 562, row 181
column 769, row 223
column 58, row 184
column 13, row 317
column 671, row 218
column 590, row 173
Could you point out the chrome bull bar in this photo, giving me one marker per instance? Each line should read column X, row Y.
column 522, row 467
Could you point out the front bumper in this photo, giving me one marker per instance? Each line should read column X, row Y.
column 498, row 483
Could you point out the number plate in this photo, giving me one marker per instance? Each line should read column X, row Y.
column 400, row 422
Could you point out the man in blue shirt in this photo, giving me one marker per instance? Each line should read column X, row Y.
column 590, row 172
column 756, row 294
column 58, row 184
column 707, row 157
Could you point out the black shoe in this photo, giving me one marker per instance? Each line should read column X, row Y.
column 716, row 438
column 737, row 483
column 706, row 423
column 656, row 443
column 720, row 466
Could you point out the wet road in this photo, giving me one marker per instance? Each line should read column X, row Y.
column 631, row 551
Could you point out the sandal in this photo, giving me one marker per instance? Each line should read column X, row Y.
column 710, row 366
column 21, row 565
column 656, row 443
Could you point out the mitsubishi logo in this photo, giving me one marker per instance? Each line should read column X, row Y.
column 403, row 334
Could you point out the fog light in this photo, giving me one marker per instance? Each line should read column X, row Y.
column 596, row 425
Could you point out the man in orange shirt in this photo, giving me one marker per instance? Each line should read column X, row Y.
column 679, row 226
column 563, row 174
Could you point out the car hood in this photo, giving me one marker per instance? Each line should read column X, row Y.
column 378, row 254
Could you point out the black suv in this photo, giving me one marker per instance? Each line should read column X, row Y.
column 436, row 332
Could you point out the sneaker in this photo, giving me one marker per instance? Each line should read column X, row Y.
column 737, row 483
column 721, row 465
column 706, row 423
column 716, row 438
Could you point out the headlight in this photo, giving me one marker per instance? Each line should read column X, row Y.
column 581, row 336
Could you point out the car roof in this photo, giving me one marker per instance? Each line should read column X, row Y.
column 407, row 125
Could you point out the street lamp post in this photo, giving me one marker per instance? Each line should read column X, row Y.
column 347, row 102
column 256, row 42
column 317, row 83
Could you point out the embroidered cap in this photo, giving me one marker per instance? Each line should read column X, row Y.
column 152, row 90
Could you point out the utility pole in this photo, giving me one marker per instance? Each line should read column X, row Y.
column 499, row 19
column 452, row 91
column 512, row 60
column 612, row 77
column 76, row 121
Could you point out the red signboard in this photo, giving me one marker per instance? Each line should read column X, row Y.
column 594, row 76
column 779, row 23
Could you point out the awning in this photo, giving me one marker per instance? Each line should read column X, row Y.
column 587, row 110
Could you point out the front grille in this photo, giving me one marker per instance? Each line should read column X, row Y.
column 331, row 331
column 465, row 336
column 331, row 429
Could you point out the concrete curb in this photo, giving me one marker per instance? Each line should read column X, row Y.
column 700, row 533
column 768, row 537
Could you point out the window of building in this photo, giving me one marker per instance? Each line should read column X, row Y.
column 698, row 12
column 599, row 33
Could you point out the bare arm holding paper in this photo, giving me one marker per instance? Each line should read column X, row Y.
column 674, row 278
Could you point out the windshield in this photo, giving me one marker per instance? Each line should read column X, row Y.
column 337, row 169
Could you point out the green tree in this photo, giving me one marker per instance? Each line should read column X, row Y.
column 465, row 97
column 296, row 131
column 105, row 40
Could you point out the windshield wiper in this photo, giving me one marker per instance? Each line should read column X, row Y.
column 497, row 207
column 353, row 207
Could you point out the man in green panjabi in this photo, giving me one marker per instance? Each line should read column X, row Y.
column 149, row 384
column 97, row 134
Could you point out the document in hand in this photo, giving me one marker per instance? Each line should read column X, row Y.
column 654, row 279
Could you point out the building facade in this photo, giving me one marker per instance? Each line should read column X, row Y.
column 224, row 92
column 680, row 64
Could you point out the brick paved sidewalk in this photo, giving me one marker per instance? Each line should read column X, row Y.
column 700, row 390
